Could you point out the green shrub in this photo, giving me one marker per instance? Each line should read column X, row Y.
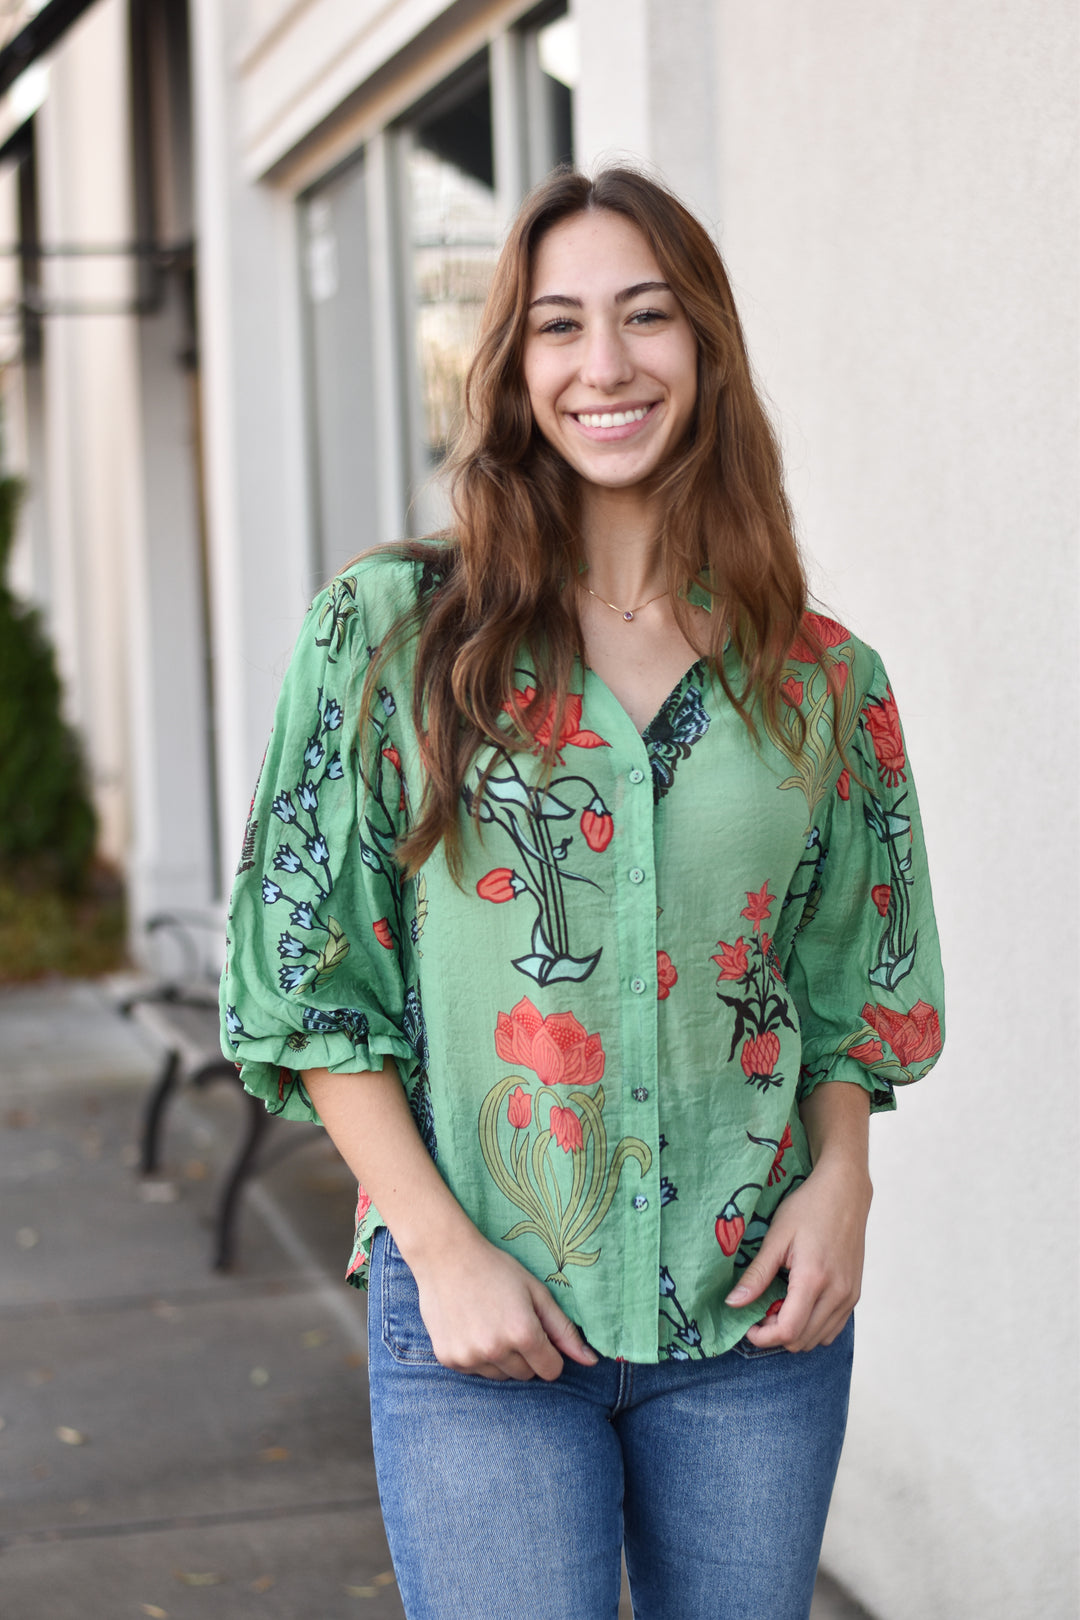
column 47, row 823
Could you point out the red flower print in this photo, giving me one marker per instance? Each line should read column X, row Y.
column 500, row 885
column 519, row 1108
column 393, row 756
column 730, row 1227
column 557, row 1046
column 570, row 732
column 566, row 1129
column 881, row 894
column 381, row 930
column 913, row 1036
column 759, row 1055
column 773, row 1310
column 363, row 1204
column 596, row 824
column 843, row 783
column 666, row 976
column 828, row 632
column 840, row 672
column 791, row 691
column 756, row 908
column 358, row 1264
column 868, row 1052
column 883, row 722
column 777, row 1172
column 733, row 959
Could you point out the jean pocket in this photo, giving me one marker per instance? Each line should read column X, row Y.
column 753, row 1352
column 403, row 1330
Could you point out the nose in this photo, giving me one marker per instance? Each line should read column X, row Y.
column 606, row 363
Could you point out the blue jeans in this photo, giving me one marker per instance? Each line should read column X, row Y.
column 511, row 1501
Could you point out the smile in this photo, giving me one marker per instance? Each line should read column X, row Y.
column 609, row 419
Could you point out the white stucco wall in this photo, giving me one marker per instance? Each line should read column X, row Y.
column 898, row 204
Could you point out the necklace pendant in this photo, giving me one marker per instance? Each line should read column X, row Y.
column 628, row 616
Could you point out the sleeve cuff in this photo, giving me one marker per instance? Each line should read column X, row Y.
column 848, row 1069
column 270, row 1068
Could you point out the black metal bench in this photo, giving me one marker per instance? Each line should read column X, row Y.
column 181, row 1014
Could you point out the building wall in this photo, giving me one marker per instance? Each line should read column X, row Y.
column 897, row 200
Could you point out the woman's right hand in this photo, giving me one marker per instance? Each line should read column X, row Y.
column 486, row 1314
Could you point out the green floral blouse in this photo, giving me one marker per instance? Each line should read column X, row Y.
column 606, row 1031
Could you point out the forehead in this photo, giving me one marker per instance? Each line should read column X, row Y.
column 592, row 253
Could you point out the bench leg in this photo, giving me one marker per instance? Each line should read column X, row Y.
column 242, row 1167
column 150, row 1147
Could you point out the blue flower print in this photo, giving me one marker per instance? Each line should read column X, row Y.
column 387, row 697
column 284, row 808
column 309, row 799
column 287, row 946
column 675, row 1352
column 668, row 1191
column 349, row 1021
column 332, row 715
column 334, row 771
column 290, row 978
column 313, row 753
column 667, row 1282
column 271, row 891
column 286, row 859
column 690, row 1334
column 302, row 915
column 233, row 1022
column 317, row 849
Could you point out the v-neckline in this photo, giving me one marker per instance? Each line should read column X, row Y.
column 643, row 733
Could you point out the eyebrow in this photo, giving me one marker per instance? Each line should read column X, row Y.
column 623, row 297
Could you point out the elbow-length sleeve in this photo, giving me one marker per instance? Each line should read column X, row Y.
column 864, row 965
column 315, row 963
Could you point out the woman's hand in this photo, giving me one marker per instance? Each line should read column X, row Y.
column 819, row 1230
column 486, row 1314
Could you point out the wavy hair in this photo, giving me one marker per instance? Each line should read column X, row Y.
column 516, row 540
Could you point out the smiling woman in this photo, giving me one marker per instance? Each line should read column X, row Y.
column 584, row 900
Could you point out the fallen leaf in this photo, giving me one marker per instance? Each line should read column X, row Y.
column 385, row 1579
column 17, row 1119
column 190, row 1579
column 26, row 1237
column 154, row 1612
column 274, row 1454
column 70, row 1437
column 196, row 1170
column 362, row 1591
column 312, row 1339
column 263, row 1584
column 158, row 1192
column 356, row 1358
column 259, row 1377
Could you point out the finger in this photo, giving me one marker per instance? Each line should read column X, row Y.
column 758, row 1274
column 564, row 1335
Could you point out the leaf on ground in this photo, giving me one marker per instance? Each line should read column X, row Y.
column 26, row 1237
column 312, row 1339
column 263, row 1584
column 362, row 1591
column 158, row 1192
column 17, row 1119
column 356, row 1358
column 270, row 1454
column 259, row 1377
column 154, row 1612
column 196, row 1169
column 190, row 1578
column 70, row 1437
column 385, row 1579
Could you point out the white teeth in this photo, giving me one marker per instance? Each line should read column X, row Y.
column 608, row 419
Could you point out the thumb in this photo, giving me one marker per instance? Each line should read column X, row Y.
column 565, row 1335
column 758, row 1274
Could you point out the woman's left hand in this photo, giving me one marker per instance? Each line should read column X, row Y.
column 818, row 1232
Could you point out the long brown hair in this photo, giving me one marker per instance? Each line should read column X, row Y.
column 516, row 539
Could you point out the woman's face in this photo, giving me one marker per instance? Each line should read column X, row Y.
column 610, row 359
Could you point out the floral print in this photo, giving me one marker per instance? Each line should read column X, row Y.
column 654, row 953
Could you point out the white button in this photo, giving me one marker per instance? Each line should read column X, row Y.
column 637, row 986
column 636, row 875
column 636, row 775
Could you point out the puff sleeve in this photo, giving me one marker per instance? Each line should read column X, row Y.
column 864, row 966
column 316, row 945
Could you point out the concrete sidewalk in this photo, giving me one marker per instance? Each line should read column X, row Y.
column 175, row 1444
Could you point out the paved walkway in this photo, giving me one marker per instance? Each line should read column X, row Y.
column 174, row 1444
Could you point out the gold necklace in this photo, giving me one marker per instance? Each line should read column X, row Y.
column 624, row 613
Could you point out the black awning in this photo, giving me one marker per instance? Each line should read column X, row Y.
column 40, row 35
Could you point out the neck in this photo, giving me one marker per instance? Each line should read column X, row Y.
column 622, row 549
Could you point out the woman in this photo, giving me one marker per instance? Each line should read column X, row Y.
column 584, row 900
